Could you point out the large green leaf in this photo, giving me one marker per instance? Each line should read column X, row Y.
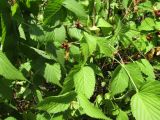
column 55, row 104
column 84, row 81
column 7, row 70
column 145, row 104
column 75, row 7
column 52, row 8
column 52, row 73
column 119, row 81
column 90, row 109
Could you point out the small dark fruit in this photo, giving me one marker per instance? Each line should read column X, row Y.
column 149, row 37
column 157, row 13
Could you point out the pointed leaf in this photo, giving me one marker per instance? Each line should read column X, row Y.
column 103, row 23
column 147, row 24
column 90, row 109
column 55, row 104
column 8, row 71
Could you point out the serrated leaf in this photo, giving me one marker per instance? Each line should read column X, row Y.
column 90, row 109
column 75, row 7
column 147, row 24
column 84, row 81
column 52, row 8
column 52, row 73
column 119, row 81
column 145, row 104
column 8, row 71
column 55, row 104
column 91, row 42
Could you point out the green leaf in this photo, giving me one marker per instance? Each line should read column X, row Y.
column 8, row 71
column 75, row 7
column 145, row 6
column 85, row 50
column 119, row 81
column 68, row 84
column 52, row 73
column 10, row 118
column 135, row 74
column 91, row 42
column 52, row 8
column 122, row 116
column 125, row 3
column 105, row 47
column 5, row 90
column 145, row 104
column 146, row 68
column 14, row 9
column 59, row 34
column 84, row 81
column 41, row 117
column 75, row 33
column 90, row 109
column 103, row 23
column 55, row 104
column 147, row 24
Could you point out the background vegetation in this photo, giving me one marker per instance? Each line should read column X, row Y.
column 79, row 59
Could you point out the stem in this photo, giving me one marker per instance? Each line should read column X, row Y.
column 132, row 81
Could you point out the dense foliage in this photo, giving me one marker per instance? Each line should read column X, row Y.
column 79, row 59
